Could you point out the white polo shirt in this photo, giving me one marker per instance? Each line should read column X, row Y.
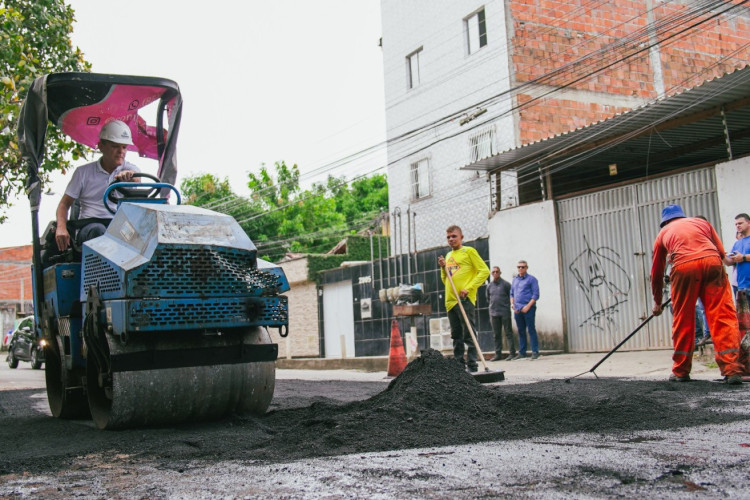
column 88, row 184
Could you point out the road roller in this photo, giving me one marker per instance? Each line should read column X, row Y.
column 164, row 318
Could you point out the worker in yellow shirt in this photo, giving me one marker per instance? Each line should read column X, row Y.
column 468, row 271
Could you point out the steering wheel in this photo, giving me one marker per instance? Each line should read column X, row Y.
column 147, row 191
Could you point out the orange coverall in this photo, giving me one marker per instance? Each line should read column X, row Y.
column 696, row 254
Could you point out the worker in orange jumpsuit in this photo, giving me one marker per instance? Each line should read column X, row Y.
column 696, row 255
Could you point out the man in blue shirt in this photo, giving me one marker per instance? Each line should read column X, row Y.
column 524, row 293
column 740, row 258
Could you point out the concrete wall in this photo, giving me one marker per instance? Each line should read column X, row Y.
column 529, row 233
column 732, row 182
column 304, row 337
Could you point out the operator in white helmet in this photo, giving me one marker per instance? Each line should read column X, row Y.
column 90, row 181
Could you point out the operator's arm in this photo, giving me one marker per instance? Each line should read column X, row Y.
column 62, row 237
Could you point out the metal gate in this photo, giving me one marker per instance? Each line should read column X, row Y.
column 607, row 239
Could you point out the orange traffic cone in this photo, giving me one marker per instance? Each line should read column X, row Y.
column 397, row 358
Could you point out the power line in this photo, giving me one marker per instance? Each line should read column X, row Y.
column 583, row 62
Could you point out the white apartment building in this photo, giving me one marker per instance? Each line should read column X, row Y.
column 446, row 71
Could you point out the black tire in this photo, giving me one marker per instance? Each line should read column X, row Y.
column 36, row 363
column 65, row 400
column 12, row 361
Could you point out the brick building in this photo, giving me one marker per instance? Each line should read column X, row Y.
column 465, row 80
column 16, row 294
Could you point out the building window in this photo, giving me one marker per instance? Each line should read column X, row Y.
column 508, row 189
column 412, row 68
column 504, row 189
column 420, row 179
column 476, row 31
column 482, row 145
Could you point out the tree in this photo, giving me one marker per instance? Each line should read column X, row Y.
column 279, row 216
column 34, row 40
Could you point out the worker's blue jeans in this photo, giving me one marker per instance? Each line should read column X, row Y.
column 526, row 321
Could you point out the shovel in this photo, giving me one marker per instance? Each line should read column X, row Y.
column 488, row 376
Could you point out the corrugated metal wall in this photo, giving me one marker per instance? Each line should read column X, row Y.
column 607, row 240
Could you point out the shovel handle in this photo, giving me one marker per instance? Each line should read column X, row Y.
column 466, row 319
column 610, row 353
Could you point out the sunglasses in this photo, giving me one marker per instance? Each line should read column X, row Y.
column 522, row 267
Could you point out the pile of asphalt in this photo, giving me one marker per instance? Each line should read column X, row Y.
column 434, row 402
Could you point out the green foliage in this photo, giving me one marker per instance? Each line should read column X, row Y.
column 204, row 189
column 317, row 263
column 357, row 248
column 34, row 40
column 280, row 217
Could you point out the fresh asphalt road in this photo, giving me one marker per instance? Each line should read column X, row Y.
column 707, row 460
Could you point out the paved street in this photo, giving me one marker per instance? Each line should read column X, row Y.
column 635, row 450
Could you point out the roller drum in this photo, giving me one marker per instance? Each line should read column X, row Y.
column 148, row 397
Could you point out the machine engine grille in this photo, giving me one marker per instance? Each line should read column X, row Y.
column 101, row 274
column 145, row 315
column 185, row 271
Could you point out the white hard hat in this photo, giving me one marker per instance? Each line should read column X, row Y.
column 116, row 131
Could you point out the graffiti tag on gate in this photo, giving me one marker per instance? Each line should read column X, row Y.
column 604, row 290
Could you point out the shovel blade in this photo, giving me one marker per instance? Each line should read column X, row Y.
column 488, row 377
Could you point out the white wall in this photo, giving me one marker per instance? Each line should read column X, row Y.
column 529, row 233
column 451, row 80
column 732, row 188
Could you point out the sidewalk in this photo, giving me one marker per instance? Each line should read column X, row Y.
column 654, row 365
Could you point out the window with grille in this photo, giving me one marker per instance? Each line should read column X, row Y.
column 476, row 31
column 482, row 145
column 420, row 179
column 412, row 68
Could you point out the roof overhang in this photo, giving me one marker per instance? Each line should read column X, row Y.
column 689, row 128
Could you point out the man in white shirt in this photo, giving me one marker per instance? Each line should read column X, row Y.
column 90, row 181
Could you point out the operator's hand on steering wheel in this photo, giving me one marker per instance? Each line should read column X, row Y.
column 62, row 237
column 127, row 176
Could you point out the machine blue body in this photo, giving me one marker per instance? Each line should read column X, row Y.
column 167, row 267
column 62, row 283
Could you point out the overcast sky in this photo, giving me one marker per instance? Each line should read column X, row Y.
column 262, row 81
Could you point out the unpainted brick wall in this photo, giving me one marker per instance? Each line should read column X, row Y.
column 15, row 274
column 548, row 34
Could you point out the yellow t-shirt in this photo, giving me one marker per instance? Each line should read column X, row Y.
column 468, row 271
